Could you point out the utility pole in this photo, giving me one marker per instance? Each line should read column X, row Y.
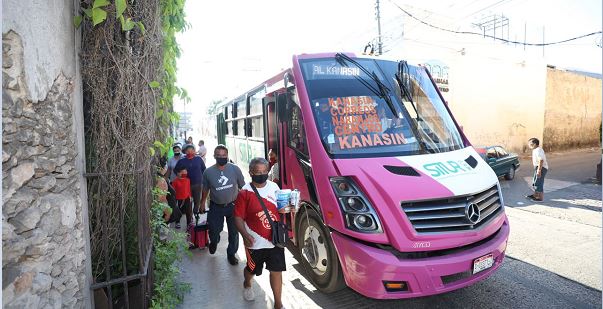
column 380, row 44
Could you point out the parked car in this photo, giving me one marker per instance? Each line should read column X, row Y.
column 503, row 163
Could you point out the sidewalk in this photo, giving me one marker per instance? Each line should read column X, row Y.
column 217, row 284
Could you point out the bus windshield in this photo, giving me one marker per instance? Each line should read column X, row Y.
column 354, row 118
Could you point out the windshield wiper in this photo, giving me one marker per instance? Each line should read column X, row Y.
column 404, row 72
column 382, row 91
column 406, row 93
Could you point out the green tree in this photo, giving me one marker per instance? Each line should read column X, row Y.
column 213, row 106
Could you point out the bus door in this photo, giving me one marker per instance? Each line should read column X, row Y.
column 270, row 125
column 294, row 158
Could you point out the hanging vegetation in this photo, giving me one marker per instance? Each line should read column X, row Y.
column 128, row 64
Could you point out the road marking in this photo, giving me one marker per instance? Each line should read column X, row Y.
column 551, row 185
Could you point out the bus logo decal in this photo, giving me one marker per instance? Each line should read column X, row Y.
column 448, row 168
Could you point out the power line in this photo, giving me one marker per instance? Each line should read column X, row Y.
column 493, row 37
column 488, row 7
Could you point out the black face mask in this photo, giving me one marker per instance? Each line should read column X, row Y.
column 176, row 154
column 221, row 161
column 259, row 179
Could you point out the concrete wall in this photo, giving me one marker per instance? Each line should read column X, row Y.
column 45, row 251
column 498, row 102
column 572, row 110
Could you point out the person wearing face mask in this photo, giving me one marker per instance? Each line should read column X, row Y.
column 252, row 223
column 194, row 168
column 222, row 182
column 171, row 164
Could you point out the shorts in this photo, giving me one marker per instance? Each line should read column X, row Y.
column 273, row 257
column 538, row 182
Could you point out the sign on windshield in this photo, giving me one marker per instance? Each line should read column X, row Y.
column 355, row 123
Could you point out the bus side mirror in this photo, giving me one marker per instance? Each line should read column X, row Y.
column 284, row 103
column 282, row 106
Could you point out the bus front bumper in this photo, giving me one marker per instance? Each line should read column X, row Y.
column 366, row 268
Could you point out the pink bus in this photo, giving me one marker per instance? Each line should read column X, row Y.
column 395, row 202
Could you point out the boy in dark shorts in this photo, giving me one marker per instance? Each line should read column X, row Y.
column 252, row 223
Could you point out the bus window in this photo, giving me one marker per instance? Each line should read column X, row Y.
column 255, row 103
column 256, row 127
column 235, row 128
column 241, row 127
column 297, row 136
column 241, row 109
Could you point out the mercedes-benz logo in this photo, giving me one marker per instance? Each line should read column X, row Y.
column 472, row 213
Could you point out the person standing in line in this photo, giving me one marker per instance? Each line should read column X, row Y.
column 541, row 167
column 202, row 150
column 194, row 167
column 252, row 223
column 171, row 164
column 222, row 182
column 189, row 140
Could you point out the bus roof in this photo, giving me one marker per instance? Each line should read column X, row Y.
column 279, row 76
column 269, row 82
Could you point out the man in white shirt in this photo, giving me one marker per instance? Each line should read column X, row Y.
column 541, row 167
column 202, row 151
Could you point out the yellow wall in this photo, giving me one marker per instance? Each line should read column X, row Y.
column 498, row 102
column 572, row 110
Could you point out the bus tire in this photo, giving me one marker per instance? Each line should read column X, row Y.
column 317, row 253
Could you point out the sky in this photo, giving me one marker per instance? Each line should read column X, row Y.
column 234, row 45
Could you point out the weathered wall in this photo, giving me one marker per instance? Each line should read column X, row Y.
column 44, row 249
column 572, row 110
column 498, row 102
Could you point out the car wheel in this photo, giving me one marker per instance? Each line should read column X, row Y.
column 318, row 256
column 511, row 174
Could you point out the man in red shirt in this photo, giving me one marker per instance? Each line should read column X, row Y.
column 252, row 223
column 182, row 186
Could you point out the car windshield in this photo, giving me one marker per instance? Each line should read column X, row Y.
column 354, row 120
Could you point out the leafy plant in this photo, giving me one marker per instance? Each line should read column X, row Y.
column 168, row 246
column 97, row 13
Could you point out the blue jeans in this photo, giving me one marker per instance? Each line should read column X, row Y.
column 538, row 182
column 215, row 219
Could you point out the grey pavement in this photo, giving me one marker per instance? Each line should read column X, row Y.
column 554, row 256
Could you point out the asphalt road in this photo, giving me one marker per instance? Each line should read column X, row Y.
column 553, row 256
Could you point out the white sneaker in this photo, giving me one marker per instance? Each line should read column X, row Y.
column 248, row 294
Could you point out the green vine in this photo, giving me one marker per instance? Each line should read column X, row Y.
column 97, row 13
column 173, row 21
column 168, row 245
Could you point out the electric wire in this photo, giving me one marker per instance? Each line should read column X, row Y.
column 493, row 37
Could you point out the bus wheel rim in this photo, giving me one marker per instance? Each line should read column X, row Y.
column 314, row 250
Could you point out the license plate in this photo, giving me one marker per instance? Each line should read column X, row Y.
column 483, row 263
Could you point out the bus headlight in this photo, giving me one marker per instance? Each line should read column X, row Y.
column 358, row 213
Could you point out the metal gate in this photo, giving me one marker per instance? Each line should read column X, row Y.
column 120, row 238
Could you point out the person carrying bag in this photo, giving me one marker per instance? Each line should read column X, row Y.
column 279, row 230
column 256, row 216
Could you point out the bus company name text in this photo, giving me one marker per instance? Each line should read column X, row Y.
column 335, row 70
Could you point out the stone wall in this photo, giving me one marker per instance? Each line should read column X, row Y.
column 43, row 230
column 572, row 113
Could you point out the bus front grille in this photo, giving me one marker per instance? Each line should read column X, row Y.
column 454, row 214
